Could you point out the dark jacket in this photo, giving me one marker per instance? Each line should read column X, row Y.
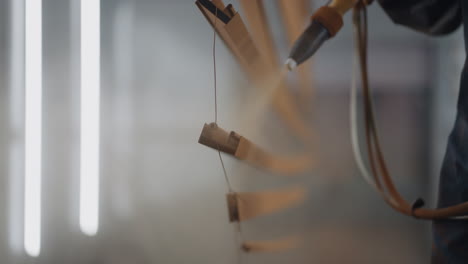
column 436, row 17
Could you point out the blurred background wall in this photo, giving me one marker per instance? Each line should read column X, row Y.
column 162, row 194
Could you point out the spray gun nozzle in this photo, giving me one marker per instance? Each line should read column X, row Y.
column 326, row 22
column 290, row 64
column 307, row 44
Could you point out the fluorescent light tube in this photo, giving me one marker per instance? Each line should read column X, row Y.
column 33, row 127
column 90, row 106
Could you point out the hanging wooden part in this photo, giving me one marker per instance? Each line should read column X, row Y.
column 217, row 138
column 256, row 65
column 258, row 27
column 219, row 4
column 246, row 150
column 272, row 246
column 243, row 206
column 295, row 18
column 238, row 146
column 230, row 10
column 232, row 31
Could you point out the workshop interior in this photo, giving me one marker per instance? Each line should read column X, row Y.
column 220, row 131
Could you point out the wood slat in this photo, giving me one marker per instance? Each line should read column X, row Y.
column 283, row 101
column 296, row 17
column 226, row 37
column 258, row 27
column 272, row 246
column 243, row 149
column 257, row 157
column 244, row 206
column 219, row 4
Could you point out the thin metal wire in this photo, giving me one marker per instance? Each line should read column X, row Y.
column 239, row 240
column 216, row 99
column 224, row 171
column 214, row 68
column 239, row 236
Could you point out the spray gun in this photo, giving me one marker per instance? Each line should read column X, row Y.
column 326, row 23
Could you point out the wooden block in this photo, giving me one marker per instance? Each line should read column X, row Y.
column 219, row 4
column 243, row 206
column 218, row 26
column 272, row 246
column 230, row 10
column 213, row 9
column 215, row 137
column 236, row 38
column 232, row 207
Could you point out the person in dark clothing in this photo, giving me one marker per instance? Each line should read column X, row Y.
column 438, row 17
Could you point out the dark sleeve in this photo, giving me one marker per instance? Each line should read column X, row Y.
column 435, row 17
